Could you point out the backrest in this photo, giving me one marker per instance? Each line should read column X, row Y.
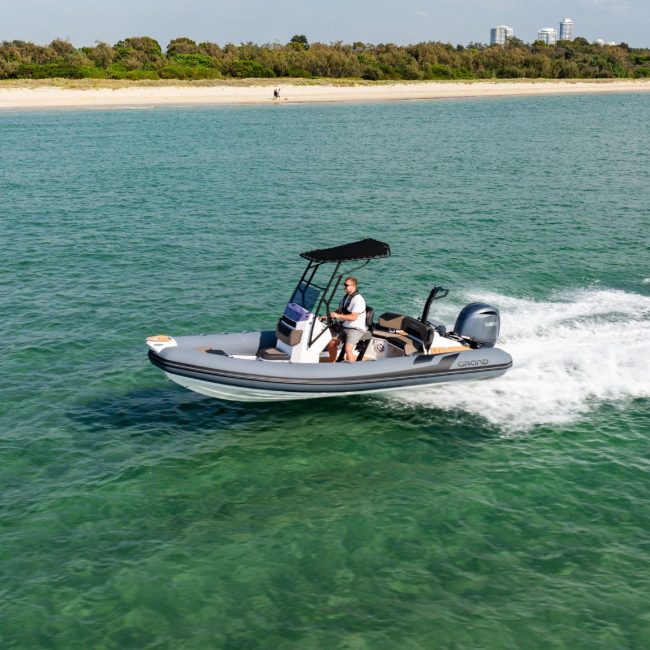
column 370, row 314
column 286, row 333
column 391, row 321
column 421, row 333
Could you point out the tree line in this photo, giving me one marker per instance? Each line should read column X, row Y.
column 142, row 57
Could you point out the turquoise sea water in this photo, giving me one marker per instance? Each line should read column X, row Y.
column 513, row 513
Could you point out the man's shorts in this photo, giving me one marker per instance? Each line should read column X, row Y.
column 351, row 335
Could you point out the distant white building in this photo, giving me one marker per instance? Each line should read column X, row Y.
column 500, row 34
column 566, row 30
column 548, row 35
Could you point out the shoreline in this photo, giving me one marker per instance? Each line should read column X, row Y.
column 256, row 92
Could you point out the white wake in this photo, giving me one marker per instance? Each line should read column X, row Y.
column 569, row 354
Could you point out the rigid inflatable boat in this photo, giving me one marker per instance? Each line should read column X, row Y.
column 396, row 352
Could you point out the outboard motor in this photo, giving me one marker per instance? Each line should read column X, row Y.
column 479, row 323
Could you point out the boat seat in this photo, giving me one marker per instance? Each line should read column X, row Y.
column 413, row 335
column 401, row 342
column 286, row 333
column 389, row 327
column 273, row 354
column 420, row 333
column 387, row 334
column 390, row 321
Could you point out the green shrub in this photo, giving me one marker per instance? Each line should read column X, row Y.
column 439, row 71
column 91, row 72
column 139, row 75
column 192, row 60
column 371, row 73
column 140, row 48
column 182, row 45
column 299, row 73
column 510, row 72
column 245, row 69
column 9, row 69
column 116, row 71
column 410, row 71
column 49, row 71
column 188, row 72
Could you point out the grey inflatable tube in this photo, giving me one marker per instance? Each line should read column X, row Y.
column 207, row 359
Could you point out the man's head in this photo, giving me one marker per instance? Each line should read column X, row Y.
column 350, row 285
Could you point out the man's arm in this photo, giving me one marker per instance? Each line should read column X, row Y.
column 338, row 316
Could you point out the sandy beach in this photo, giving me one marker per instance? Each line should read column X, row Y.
column 39, row 95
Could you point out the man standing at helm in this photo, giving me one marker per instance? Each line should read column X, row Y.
column 352, row 316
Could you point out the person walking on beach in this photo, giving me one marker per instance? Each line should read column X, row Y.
column 276, row 94
column 352, row 313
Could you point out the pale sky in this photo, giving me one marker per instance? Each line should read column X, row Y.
column 266, row 21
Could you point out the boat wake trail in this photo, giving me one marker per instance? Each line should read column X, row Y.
column 570, row 354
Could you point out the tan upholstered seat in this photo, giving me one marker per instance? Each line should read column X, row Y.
column 404, row 332
column 391, row 321
column 400, row 341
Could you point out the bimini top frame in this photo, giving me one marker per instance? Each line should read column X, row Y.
column 308, row 294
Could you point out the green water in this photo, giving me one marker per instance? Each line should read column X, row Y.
column 513, row 513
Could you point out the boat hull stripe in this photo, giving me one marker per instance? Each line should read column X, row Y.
column 413, row 376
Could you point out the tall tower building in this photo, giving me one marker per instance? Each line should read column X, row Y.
column 500, row 34
column 566, row 30
column 548, row 35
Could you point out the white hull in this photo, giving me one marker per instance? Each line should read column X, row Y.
column 243, row 394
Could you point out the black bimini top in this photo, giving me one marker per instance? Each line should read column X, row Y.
column 365, row 249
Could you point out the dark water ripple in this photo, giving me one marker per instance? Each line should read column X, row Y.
column 506, row 514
